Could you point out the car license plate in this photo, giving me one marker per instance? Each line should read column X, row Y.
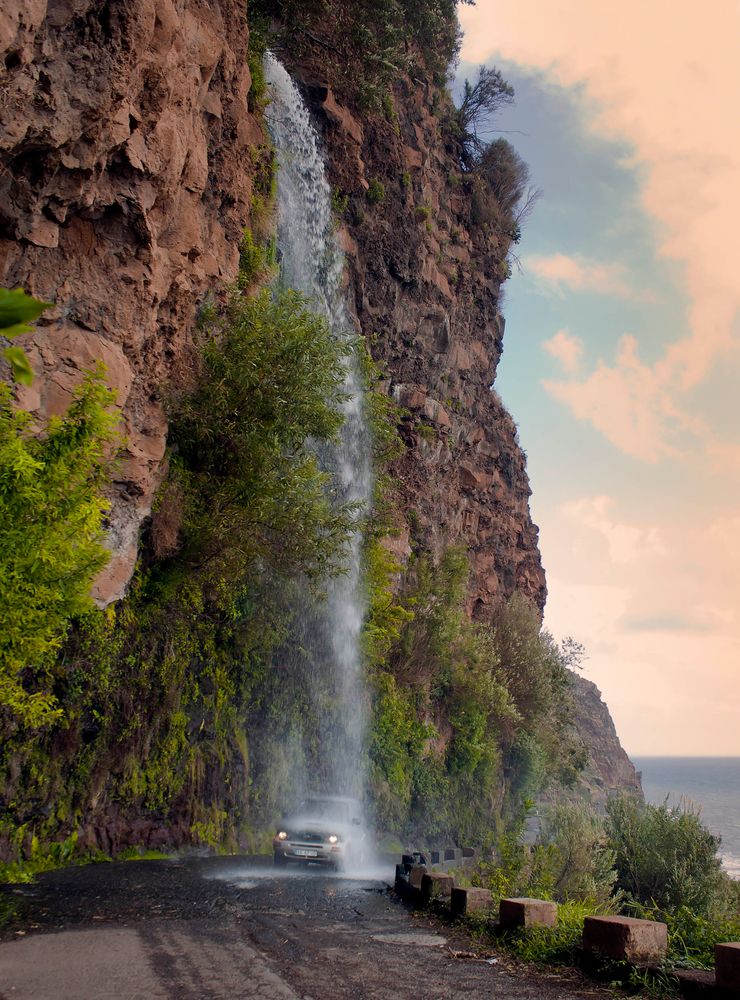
column 303, row 853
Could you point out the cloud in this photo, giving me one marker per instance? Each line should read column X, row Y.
column 656, row 608
column 625, row 63
column 560, row 271
column 627, row 543
column 631, row 405
column 677, row 622
column 566, row 349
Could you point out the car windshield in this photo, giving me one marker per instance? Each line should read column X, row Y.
column 329, row 809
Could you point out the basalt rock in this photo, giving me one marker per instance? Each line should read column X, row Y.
column 125, row 183
column 425, row 281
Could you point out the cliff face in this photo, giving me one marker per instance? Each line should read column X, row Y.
column 129, row 159
column 609, row 770
column 127, row 152
column 126, row 179
column 425, row 281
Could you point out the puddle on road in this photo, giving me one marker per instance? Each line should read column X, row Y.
column 251, row 877
column 420, row 940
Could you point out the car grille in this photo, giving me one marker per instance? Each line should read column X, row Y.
column 307, row 837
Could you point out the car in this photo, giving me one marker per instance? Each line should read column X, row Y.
column 324, row 829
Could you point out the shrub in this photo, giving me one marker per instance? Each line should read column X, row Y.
column 499, row 184
column 375, row 191
column 257, row 261
column 51, row 537
column 272, row 376
column 581, row 859
column 665, row 856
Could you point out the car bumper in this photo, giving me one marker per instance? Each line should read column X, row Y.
column 326, row 854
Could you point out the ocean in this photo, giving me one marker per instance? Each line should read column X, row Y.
column 710, row 783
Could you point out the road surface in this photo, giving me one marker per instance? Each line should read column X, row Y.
column 217, row 928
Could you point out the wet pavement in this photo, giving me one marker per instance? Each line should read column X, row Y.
column 206, row 929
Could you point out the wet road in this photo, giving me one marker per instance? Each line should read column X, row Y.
column 229, row 928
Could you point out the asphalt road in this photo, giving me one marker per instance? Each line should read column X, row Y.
column 233, row 928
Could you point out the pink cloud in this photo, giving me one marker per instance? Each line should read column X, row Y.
column 563, row 271
column 566, row 349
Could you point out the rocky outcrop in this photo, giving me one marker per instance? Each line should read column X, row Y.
column 609, row 770
column 125, row 144
column 425, row 280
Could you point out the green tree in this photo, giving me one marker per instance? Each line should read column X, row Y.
column 51, row 536
column 271, row 379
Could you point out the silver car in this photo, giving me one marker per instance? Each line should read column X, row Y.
column 324, row 829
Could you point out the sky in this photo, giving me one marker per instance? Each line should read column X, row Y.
column 621, row 358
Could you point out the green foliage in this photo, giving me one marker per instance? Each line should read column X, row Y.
column 422, row 212
column 339, row 202
column 17, row 311
column 272, row 376
column 376, row 191
column 665, row 856
column 557, row 945
column 161, row 702
column 580, row 857
column 51, row 538
column 258, row 43
column 389, row 110
column 257, row 261
column 40, row 860
column 398, row 742
column 385, row 616
column 264, row 189
column 495, row 691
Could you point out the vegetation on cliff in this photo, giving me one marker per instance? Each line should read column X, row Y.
column 182, row 713
column 470, row 717
column 149, row 699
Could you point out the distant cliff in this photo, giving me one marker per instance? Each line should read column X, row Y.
column 609, row 770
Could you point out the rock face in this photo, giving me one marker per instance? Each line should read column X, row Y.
column 127, row 154
column 424, row 278
column 609, row 771
column 126, row 180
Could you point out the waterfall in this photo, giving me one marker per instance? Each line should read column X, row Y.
column 312, row 263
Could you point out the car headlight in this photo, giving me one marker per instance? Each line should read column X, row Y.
column 282, row 835
column 333, row 838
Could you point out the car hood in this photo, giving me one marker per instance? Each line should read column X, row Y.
column 314, row 825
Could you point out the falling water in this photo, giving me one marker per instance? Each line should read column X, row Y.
column 312, row 263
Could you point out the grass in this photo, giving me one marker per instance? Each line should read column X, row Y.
column 62, row 855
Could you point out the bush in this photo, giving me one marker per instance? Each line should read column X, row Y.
column 665, row 856
column 581, row 859
column 375, row 191
column 272, row 377
column 257, row 261
column 499, row 184
column 51, row 537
